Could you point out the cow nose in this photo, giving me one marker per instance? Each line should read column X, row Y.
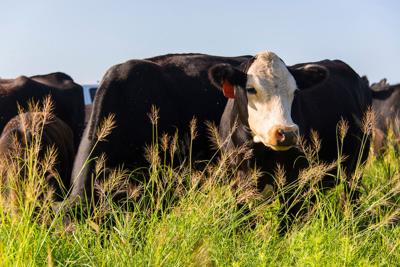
column 286, row 136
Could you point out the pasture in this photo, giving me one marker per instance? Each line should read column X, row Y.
column 184, row 217
column 204, row 133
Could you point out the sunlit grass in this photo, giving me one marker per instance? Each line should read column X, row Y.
column 181, row 216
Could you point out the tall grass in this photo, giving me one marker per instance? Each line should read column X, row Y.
column 180, row 216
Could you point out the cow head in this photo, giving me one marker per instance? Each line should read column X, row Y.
column 381, row 85
column 268, row 88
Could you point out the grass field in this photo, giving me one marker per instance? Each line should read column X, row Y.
column 182, row 217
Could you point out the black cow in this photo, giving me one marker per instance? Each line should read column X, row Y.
column 67, row 97
column 177, row 84
column 385, row 103
column 22, row 131
column 271, row 104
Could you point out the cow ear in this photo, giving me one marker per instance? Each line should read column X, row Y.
column 225, row 77
column 381, row 85
column 309, row 75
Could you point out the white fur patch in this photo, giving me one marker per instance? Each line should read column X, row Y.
column 271, row 105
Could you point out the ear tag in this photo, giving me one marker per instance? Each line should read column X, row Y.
column 228, row 89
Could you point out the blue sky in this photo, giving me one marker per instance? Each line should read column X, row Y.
column 85, row 37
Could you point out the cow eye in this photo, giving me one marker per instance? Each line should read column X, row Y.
column 251, row 91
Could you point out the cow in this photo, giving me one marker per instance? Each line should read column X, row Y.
column 177, row 84
column 24, row 130
column 385, row 104
column 270, row 105
column 67, row 97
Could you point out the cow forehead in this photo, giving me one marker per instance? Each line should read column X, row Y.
column 268, row 70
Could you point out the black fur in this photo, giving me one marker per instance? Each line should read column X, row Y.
column 56, row 134
column 386, row 99
column 309, row 76
column 177, row 84
column 67, row 97
column 221, row 72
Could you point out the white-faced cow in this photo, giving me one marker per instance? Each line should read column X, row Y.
column 271, row 104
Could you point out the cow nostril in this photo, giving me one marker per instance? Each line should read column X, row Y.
column 286, row 137
column 280, row 135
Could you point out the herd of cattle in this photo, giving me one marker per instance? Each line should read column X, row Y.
column 256, row 100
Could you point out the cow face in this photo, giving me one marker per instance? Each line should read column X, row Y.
column 269, row 88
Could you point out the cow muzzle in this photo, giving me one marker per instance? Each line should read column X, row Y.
column 286, row 136
column 281, row 138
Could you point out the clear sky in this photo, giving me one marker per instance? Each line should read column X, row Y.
column 85, row 37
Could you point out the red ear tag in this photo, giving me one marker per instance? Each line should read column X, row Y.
column 228, row 89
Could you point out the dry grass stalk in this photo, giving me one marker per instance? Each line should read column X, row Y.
column 154, row 115
column 152, row 155
column 106, row 126
column 280, row 176
column 308, row 151
column 164, row 140
column 315, row 173
column 193, row 128
column 246, row 187
column 114, row 184
column 343, row 126
column 134, row 192
column 24, row 171
column 389, row 219
column 213, row 134
column 50, row 159
column 173, row 147
column 100, row 164
column 315, row 142
column 368, row 121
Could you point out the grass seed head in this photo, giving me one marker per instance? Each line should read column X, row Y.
column 280, row 176
column 343, row 126
column 213, row 134
column 152, row 156
column 193, row 128
column 368, row 122
column 106, row 126
column 154, row 115
column 164, row 140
